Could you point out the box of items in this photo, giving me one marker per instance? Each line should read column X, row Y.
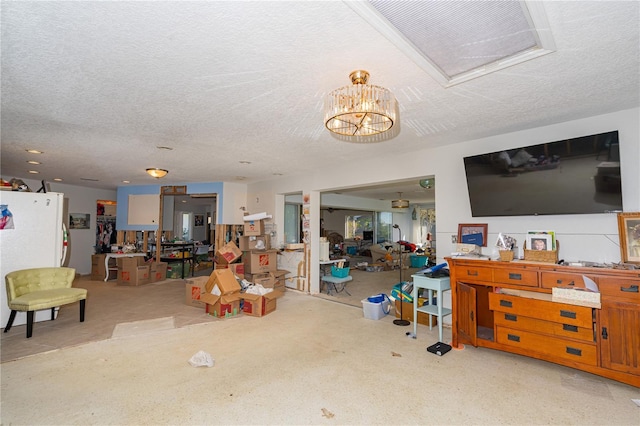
column 228, row 253
column 255, row 242
column 132, row 271
column 222, row 306
column 174, row 270
column 194, row 289
column 254, row 227
column 157, row 271
column 256, row 261
column 97, row 267
column 221, row 282
column 274, row 280
column 259, row 305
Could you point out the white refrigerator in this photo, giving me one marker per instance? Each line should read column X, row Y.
column 31, row 236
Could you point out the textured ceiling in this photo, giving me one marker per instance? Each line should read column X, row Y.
column 98, row 86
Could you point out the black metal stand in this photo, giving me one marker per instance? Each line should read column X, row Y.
column 400, row 321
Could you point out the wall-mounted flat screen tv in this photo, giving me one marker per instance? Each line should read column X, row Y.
column 573, row 176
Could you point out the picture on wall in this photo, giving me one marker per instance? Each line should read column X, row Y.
column 629, row 232
column 79, row 220
column 198, row 220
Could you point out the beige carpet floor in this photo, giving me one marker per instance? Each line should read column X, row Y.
column 312, row 361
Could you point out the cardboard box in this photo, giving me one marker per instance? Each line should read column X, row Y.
column 222, row 282
column 256, row 261
column 158, row 271
column 259, row 305
column 134, row 275
column 254, row 227
column 223, row 306
column 97, row 267
column 228, row 253
column 194, row 289
column 274, row 280
column 252, row 242
column 407, row 314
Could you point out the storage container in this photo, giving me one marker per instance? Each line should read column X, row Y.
column 375, row 311
column 339, row 272
column 418, row 261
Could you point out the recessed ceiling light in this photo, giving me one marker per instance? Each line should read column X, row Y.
column 57, row 179
column 184, row 201
column 244, row 162
column 168, row 148
column 33, row 162
column 34, row 172
column 126, row 181
column 34, row 151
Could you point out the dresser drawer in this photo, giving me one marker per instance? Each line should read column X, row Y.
column 562, row 279
column 562, row 313
column 581, row 352
column 520, row 322
column 620, row 288
column 516, row 277
column 473, row 273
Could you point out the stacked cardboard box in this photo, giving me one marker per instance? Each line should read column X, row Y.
column 157, row 271
column 226, row 255
column 220, row 295
column 132, row 271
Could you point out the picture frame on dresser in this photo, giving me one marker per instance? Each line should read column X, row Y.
column 473, row 233
column 629, row 232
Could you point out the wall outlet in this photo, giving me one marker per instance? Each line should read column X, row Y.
column 454, row 239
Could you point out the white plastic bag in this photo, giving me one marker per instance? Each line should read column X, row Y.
column 201, row 359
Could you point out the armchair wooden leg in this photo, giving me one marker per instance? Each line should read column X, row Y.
column 29, row 323
column 82, row 303
column 12, row 316
column 53, row 314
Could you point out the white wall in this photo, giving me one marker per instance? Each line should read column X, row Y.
column 81, row 200
column 582, row 237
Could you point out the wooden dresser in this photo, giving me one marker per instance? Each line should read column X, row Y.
column 508, row 306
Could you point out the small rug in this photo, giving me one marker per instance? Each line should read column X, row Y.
column 136, row 328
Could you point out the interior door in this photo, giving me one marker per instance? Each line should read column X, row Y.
column 467, row 320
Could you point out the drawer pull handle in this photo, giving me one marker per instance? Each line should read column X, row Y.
column 630, row 289
column 567, row 327
column 568, row 314
column 574, row 351
column 472, row 273
column 569, row 283
column 511, row 317
column 513, row 337
column 513, row 276
column 506, row 303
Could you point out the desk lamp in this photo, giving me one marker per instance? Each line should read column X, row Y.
column 400, row 321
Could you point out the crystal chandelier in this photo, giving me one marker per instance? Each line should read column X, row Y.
column 361, row 109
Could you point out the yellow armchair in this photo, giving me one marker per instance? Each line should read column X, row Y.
column 30, row 290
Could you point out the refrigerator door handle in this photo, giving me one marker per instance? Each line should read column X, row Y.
column 65, row 244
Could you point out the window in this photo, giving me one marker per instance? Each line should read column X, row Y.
column 384, row 228
column 354, row 226
column 291, row 223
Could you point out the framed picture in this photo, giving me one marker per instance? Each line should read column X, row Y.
column 79, row 220
column 473, row 233
column 539, row 242
column 552, row 233
column 629, row 231
column 198, row 220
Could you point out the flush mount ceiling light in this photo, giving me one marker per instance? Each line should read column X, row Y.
column 427, row 183
column 157, row 173
column 360, row 109
column 400, row 203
